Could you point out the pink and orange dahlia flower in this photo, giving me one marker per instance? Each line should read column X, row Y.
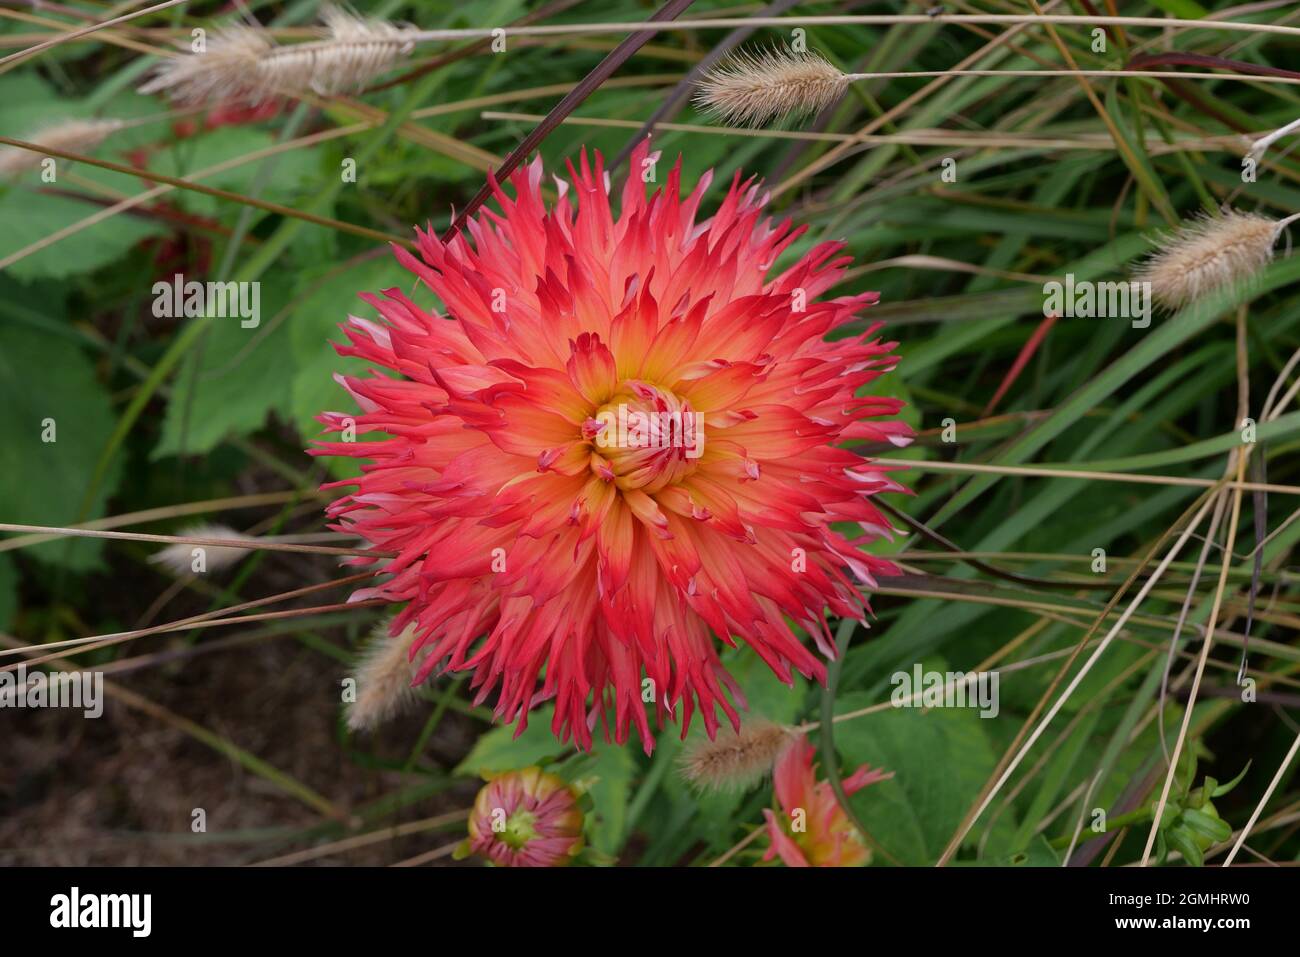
column 813, row 830
column 556, row 564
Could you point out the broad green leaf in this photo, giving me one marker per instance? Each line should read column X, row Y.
column 500, row 750
column 939, row 758
column 322, row 301
column 614, row 767
column 241, row 378
column 28, row 216
column 48, row 390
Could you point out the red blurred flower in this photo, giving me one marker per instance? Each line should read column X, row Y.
column 813, row 830
column 556, row 563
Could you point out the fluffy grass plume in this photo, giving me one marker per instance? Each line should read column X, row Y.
column 242, row 63
column 752, row 89
column 1208, row 253
column 179, row 558
column 75, row 136
column 735, row 760
column 384, row 679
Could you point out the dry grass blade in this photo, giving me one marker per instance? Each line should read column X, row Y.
column 14, row 59
column 1007, row 767
column 616, row 58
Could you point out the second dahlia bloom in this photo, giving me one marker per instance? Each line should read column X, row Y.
column 525, row 818
column 557, row 553
column 814, row 830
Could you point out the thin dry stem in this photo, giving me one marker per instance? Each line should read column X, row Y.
column 79, row 136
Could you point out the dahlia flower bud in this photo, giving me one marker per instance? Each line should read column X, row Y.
column 525, row 818
column 814, row 831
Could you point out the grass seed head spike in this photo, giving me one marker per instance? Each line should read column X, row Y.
column 1210, row 252
column 242, row 63
column 753, row 89
column 179, row 558
column 736, row 760
column 75, row 136
column 384, row 679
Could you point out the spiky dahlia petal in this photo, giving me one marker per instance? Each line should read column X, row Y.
column 556, row 564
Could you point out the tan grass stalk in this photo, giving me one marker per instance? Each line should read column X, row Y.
column 882, row 19
column 78, row 136
column 736, row 760
column 754, row 88
column 1259, row 808
column 95, row 642
column 384, row 678
column 226, row 539
column 1010, row 766
column 1208, row 253
column 178, row 558
column 9, row 62
column 243, row 62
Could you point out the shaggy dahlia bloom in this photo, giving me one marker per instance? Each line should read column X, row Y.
column 525, row 818
column 813, row 830
column 547, row 543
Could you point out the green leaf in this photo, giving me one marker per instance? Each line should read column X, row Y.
column 500, row 750
column 1183, row 843
column 45, row 383
column 940, row 758
column 241, row 378
column 1218, row 790
column 29, row 216
column 322, row 301
column 296, row 171
column 1135, row 157
column 1212, row 827
column 1039, row 853
column 8, row 591
column 1183, row 9
column 614, row 768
